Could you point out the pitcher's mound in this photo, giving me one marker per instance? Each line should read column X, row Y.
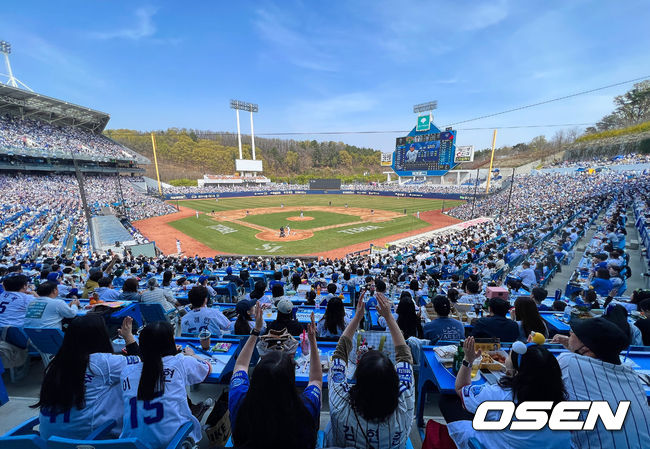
column 303, row 218
column 274, row 236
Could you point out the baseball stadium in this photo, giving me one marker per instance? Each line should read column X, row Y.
column 414, row 248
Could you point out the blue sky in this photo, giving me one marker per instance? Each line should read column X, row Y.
column 331, row 66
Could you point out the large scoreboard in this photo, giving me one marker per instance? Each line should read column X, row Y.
column 429, row 153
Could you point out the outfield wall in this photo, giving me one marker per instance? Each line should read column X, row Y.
column 196, row 196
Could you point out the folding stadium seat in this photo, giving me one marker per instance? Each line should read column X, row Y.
column 178, row 442
column 47, row 341
column 23, row 437
column 152, row 313
column 4, row 397
column 15, row 336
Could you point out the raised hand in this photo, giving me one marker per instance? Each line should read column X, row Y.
column 470, row 353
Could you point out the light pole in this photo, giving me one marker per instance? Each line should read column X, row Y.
column 5, row 49
column 249, row 107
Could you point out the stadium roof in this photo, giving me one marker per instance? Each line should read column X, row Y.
column 25, row 104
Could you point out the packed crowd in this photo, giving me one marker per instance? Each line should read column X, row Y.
column 52, row 140
column 627, row 159
column 403, row 286
column 48, row 208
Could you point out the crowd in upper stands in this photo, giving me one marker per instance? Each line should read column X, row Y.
column 627, row 159
column 44, row 212
column 52, row 140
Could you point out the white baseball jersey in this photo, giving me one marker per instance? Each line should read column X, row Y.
column 48, row 312
column 208, row 318
column 462, row 431
column 155, row 422
column 103, row 400
column 348, row 429
column 589, row 379
column 13, row 306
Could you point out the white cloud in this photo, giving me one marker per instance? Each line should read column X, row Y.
column 293, row 44
column 144, row 27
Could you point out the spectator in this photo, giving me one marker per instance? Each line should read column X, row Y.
column 268, row 411
column 47, row 310
column 443, row 327
column 472, row 295
column 130, row 291
column 155, row 294
column 105, row 290
column 153, row 381
column 643, row 324
column 244, row 322
column 496, row 325
column 594, row 346
column 407, row 319
column 617, row 314
column 90, row 396
column 201, row 317
column 527, row 276
column 601, row 282
column 14, row 300
column 528, row 318
column 540, row 294
column 536, row 376
column 285, row 319
column 360, row 417
column 334, row 320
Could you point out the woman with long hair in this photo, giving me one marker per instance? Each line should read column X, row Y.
column 81, row 387
column 154, row 394
column 267, row 411
column 533, row 374
column 245, row 321
column 334, row 320
column 377, row 411
column 407, row 319
column 528, row 318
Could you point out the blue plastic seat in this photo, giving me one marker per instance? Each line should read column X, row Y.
column 152, row 313
column 179, row 441
column 47, row 341
column 15, row 336
column 23, row 436
column 4, row 397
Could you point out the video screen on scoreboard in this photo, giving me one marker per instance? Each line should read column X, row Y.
column 425, row 152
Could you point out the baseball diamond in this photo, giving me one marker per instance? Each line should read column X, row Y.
column 243, row 225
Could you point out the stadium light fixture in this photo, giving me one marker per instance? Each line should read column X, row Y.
column 244, row 106
column 238, row 105
column 425, row 107
column 5, row 49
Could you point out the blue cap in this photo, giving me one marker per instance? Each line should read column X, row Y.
column 202, row 279
column 53, row 277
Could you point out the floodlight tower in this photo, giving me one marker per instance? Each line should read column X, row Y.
column 243, row 106
column 5, row 49
column 425, row 107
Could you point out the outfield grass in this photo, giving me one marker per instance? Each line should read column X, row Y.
column 274, row 221
column 394, row 204
column 243, row 241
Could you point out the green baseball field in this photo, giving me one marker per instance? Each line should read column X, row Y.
column 328, row 225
